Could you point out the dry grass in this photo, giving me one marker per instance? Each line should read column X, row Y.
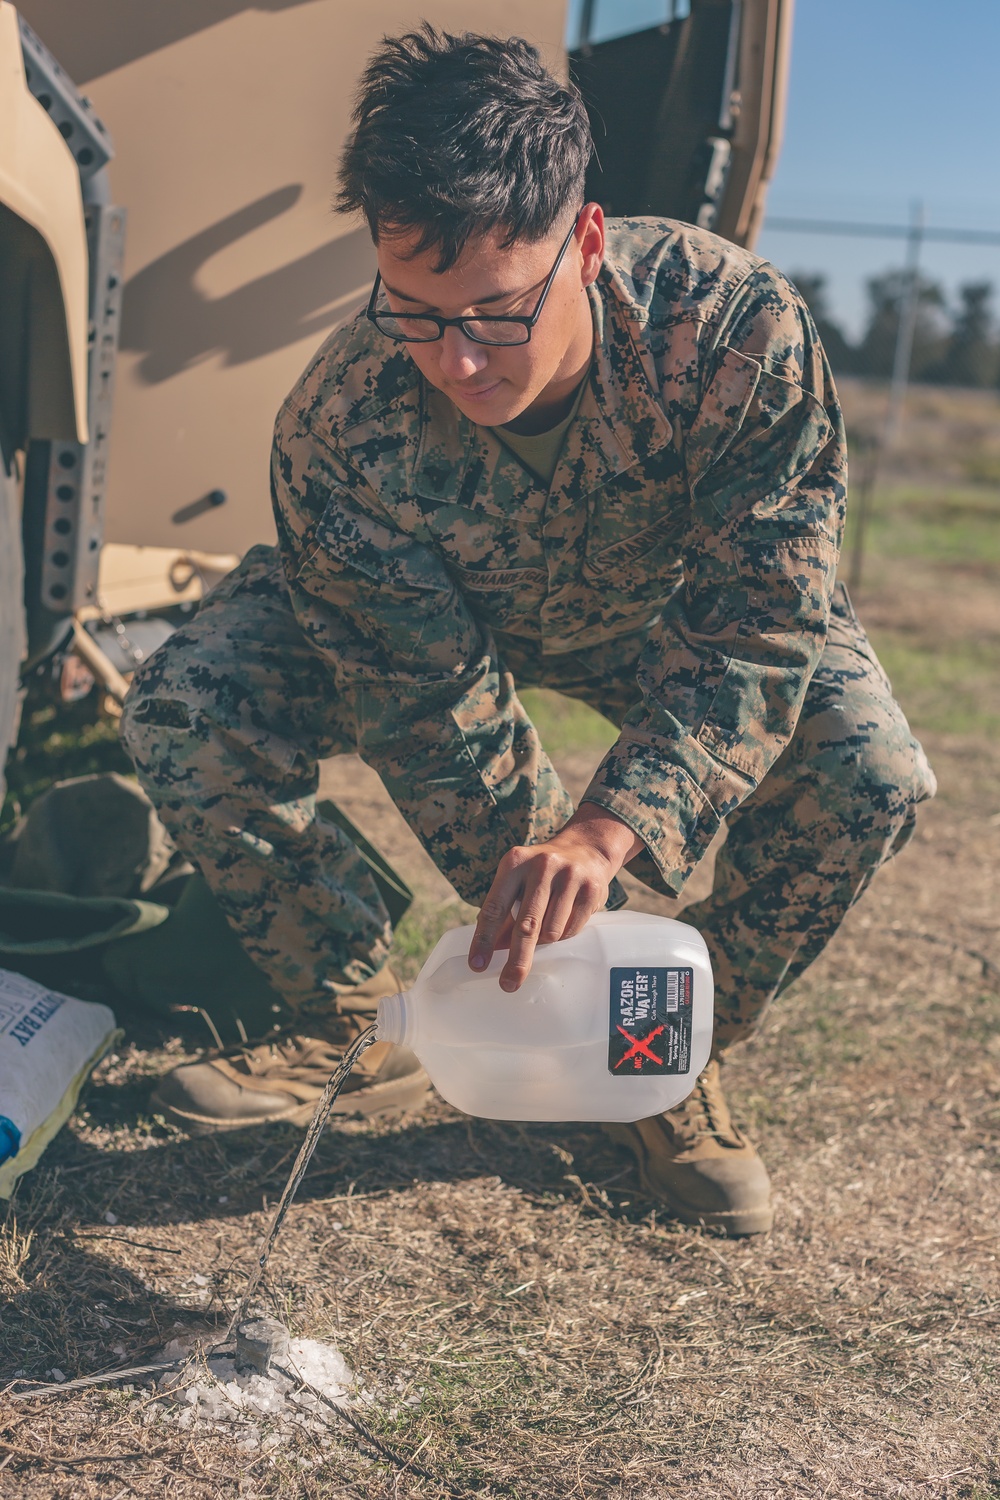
column 556, row 1337
column 561, row 1338
column 951, row 436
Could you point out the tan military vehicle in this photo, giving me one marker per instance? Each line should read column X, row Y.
column 169, row 259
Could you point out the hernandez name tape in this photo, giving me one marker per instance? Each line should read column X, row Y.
column 48, row 1045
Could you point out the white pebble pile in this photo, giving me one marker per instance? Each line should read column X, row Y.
column 210, row 1392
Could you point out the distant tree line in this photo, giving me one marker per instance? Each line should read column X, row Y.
column 952, row 345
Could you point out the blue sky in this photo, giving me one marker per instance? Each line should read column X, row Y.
column 889, row 101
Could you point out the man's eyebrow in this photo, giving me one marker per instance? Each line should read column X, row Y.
column 480, row 302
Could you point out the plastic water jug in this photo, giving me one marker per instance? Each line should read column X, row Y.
column 613, row 1024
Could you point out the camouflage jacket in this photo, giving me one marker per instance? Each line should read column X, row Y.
column 699, row 500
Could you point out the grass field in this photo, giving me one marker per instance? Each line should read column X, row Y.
column 525, row 1321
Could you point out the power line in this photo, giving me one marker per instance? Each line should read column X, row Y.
column 884, row 231
column 916, row 233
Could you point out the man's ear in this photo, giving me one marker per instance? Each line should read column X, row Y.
column 590, row 239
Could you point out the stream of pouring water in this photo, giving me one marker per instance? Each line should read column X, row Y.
column 326, row 1102
column 321, row 1114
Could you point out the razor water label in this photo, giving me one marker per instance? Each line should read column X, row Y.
column 650, row 1021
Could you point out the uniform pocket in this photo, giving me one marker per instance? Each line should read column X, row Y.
column 847, row 630
column 721, row 413
column 623, row 554
column 501, row 598
column 494, row 580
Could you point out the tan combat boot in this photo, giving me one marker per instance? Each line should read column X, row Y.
column 282, row 1077
column 694, row 1160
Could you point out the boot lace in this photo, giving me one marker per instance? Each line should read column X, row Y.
column 703, row 1115
column 290, row 1050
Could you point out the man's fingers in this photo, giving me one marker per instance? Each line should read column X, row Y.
column 493, row 922
column 504, row 936
column 562, row 902
column 536, row 896
column 524, row 936
column 584, row 907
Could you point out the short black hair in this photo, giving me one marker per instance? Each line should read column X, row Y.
column 460, row 135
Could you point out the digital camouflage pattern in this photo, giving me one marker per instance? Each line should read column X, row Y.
column 700, row 497
column 677, row 575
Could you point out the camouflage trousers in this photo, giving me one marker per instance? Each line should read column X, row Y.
column 227, row 722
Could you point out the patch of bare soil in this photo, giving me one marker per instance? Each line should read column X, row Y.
column 526, row 1321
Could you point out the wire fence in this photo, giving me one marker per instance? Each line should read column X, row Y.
column 915, row 340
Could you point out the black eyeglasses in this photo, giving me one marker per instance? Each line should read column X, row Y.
column 426, row 328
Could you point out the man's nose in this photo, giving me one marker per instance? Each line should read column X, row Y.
column 461, row 358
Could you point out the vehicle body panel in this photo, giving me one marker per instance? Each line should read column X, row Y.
column 228, row 120
column 43, row 261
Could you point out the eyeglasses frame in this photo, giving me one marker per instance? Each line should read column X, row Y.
column 527, row 323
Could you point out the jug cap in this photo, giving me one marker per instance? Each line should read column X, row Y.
column 392, row 1019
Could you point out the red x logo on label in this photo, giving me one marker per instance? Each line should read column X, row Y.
column 639, row 1048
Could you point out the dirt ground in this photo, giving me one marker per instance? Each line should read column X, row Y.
column 524, row 1320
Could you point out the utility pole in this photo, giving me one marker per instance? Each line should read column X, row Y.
column 874, row 459
column 908, row 311
column 874, row 449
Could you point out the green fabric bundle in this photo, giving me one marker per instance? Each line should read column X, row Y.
column 96, row 893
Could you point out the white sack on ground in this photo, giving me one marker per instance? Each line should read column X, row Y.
column 48, row 1045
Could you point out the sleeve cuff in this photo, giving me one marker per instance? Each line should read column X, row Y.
column 663, row 806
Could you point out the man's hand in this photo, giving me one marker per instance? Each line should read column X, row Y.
column 544, row 892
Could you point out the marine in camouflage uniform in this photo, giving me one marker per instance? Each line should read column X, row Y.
column 678, row 575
